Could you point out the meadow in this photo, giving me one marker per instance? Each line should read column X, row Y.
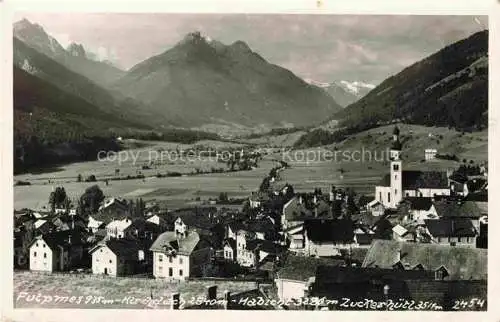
column 98, row 291
column 321, row 170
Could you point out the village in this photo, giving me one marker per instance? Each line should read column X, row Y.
column 421, row 237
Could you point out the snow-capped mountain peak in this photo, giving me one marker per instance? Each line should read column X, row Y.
column 357, row 87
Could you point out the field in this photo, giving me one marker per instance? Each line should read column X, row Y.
column 320, row 169
column 110, row 288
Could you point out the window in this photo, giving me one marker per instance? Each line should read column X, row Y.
column 395, row 177
column 36, row 244
column 180, row 272
column 395, row 192
column 160, row 258
column 170, row 259
column 459, row 239
column 395, row 167
column 180, row 260
column 97, row 259
column 101, row 250
column 170, row 271
column 43, row 245
column 44, row 255
column 388, row 197
column 110, row 261
column 34, row 254
column 380, row 196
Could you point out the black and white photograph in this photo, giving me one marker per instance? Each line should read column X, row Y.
column 250, row 161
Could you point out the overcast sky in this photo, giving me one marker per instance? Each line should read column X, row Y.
column 320, row 47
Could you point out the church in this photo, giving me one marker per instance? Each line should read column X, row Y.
column 400, row 183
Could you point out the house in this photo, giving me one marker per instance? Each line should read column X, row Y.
column 296, row 275
column 420, row 209
column 43, row 226
column 56, row 251
column 400, row 233
column 229, row 248
column 460, row 209
column 94, row 225
column 112, row 209
column 454, row 232
column 401, row 183
column 120, row 257
column 430, row 154
column 179, row 256
column 203, row 223
column 257, row 199
column 375, row 207
column 461, row 263
column 363, row 237
column 381, row 285
column 116, row 228
column 328, row 237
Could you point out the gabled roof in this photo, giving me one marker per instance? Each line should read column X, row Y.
column 195, row 218
column 427, row 179
column 419, row 203
column 301, row 268
column 476, row 184
column 65, row 238
column 183, row 245
column 335, row 230
column 231, row 242
column 458, row 209
column 339, row 274
column 412, row 180
column 450, row 227
column 461, row 262
column 123, row 248
column 399, row 230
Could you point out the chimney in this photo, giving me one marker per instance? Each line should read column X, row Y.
column 315, row 199
column 300, row 200
column 212, row 292
column 69, row 239
column 227, row 299
column 175, row 301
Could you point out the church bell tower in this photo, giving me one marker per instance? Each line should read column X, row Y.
column 396, row 192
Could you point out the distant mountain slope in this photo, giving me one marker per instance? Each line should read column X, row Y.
column 53, row 126
column 448, row 88
column 43, row 67
column 202, row 81
column 75, row 58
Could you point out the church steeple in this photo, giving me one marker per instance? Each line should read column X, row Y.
column 396, row 145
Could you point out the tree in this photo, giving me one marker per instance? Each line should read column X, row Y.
column 58, row 198
column 79, row 178
column 223, row 196
column 91, row 200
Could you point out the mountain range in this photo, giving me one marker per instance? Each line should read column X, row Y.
column 448, row 88
column 344, row 92
column 202, row 81
column 74, row 57
column 66, row 94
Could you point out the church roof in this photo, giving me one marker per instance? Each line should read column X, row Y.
column 419, row 179
column 396, row 145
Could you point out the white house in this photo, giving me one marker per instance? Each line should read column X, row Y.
column 179, row 256
column 117, row 228
column 430, row 154
column 93, row 225
column 57, row 251
column 118, row 257
column 375, row 207
column 420, row 209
